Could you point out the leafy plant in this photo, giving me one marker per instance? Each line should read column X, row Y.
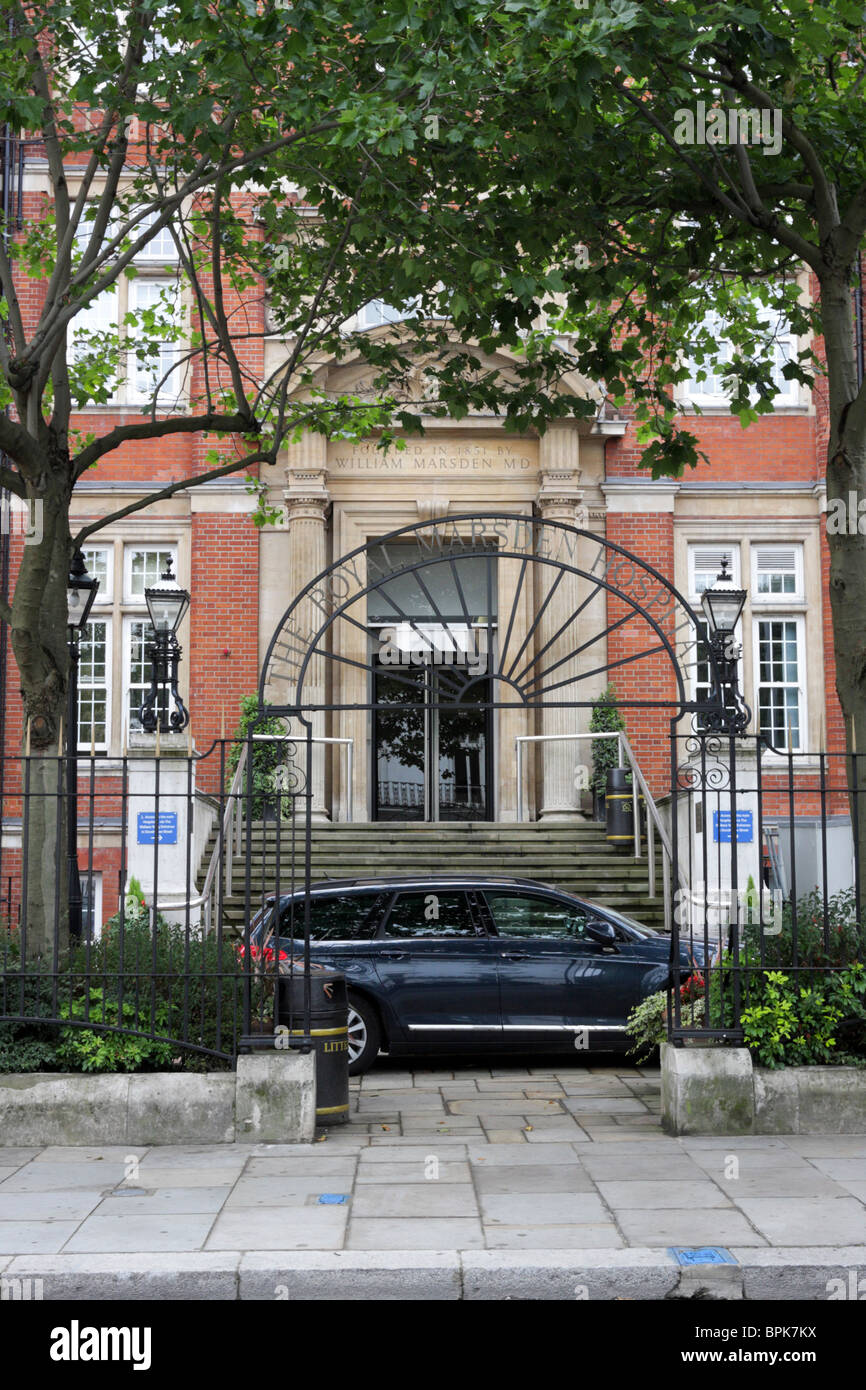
column 838, row 941
column 791, row 1025
column 86, row 1049
column 606, row 718
column 648, row 1021
column 267, row 758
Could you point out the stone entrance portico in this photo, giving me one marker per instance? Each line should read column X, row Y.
column 339, row 495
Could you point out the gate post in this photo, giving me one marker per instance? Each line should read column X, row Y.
column 161, row 801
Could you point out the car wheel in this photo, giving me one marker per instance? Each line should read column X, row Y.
column 364, row 1036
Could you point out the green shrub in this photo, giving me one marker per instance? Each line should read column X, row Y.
column 647, row 1023
column 790, row 1024
column 606, row 718
column 86, row 1049
column 266, row 759
column 27, row 1046
column 843, row 944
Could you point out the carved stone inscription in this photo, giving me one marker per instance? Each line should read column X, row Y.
column 434, row 456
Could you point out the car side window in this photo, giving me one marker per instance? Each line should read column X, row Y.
column 519, row 914
column 418, row 915
column 337, row 917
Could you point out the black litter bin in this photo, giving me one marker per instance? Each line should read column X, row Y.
column 619, row 809
column 329, row 1034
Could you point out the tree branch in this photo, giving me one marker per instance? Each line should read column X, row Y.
column 775, row 227
column 12, row 482
column 159, row 429
column 15, row 441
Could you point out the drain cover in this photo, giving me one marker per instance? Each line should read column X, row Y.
column 333, row 1199
column 702, row 1255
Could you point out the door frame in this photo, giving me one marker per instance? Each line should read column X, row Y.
column 432, row 712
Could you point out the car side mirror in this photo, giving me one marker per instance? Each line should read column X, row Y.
column 600, row 931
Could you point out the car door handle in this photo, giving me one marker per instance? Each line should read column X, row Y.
column 393, row 955
column 514, row 955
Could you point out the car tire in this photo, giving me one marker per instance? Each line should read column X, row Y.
column 365, row 1035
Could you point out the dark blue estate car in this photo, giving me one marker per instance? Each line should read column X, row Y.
column 452, row 964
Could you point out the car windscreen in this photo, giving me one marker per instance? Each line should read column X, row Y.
column 334, row 916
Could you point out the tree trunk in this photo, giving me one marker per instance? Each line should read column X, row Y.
column 846, row 485
column 39, row 643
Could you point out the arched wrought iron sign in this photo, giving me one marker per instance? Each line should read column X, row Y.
column 576, row 606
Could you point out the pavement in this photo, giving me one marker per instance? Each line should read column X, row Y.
column 487, row 1182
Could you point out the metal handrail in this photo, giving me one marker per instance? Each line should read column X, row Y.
column 232, row 824
column 223, row 838
column 639, row 787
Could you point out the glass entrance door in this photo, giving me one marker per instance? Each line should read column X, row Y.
column 431, row 763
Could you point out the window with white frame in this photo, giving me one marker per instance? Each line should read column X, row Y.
column 114, row 670
column 779, row 642
column 94, row 330
column 705, row 563
column 94, row 685
column 704, row 566
column 777, row 573
column 155, row 300
column 151, row 363
column 160, row 248
column 143, row 566
column 138, row 671
column 780, row 681
column 97, row 562
column 780, row 344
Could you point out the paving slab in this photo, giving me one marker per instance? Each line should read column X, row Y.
column 717, row 1226
column 421, row 1233
column 34, row 1237
column 559, row 1237
column 539, row 1177
column 658, row 1194
column 149, row 1176
column 770, row 1182
column 47, row 1177
column 543, row 1208
column 115, row 1231
column 292, row 1191
column 807, row 1221
column 59, row 1205
column 455, row 1199
column 164, row 1201
column 279, row 1228
column 546, row 1135
column 618, row 1167
column 493, row 1154
column 416, row 1170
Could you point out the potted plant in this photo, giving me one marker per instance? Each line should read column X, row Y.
column 606, row 718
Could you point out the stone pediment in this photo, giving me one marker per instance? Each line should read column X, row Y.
column 354, row 376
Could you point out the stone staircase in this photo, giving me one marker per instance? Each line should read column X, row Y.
column 574, row 857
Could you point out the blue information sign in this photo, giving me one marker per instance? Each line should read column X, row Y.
column 167, row 827
column 722, row 828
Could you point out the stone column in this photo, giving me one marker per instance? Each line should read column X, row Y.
column 559, row 499
column 307, row 503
